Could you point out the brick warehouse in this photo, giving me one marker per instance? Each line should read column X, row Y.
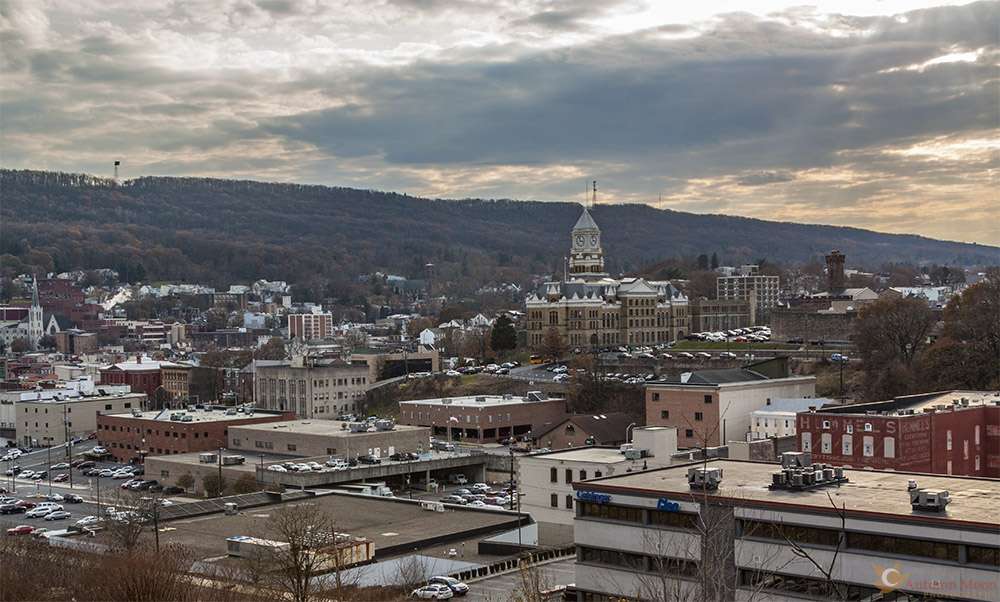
column 133, row 436
column 953, row 433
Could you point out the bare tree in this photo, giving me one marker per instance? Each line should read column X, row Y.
column 532, row 583
column 306, row 544
column 126, row 520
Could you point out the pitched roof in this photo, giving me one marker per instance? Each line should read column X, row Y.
column 607, row 427
column 586, row 222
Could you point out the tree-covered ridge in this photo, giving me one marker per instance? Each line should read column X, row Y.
column 221, row 231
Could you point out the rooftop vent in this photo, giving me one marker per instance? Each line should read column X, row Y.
column 705, row 479
column 929, row 500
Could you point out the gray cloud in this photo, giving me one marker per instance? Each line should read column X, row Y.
column 765, row 116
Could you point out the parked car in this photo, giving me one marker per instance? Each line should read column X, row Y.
column 39, row 512
column 12, row 508
column 432, row 592
column 457, row 587
column 21, row 530
column 368, row 459
column 59, row 466
column 173, row 490
column 86, row 464
column 72, row 498
column 87, row 521
column 100, row 451
column 480, row 488
column 59, row 478
column 55, row 497
column 277, row 468
column 57, row 515
column 448, row 499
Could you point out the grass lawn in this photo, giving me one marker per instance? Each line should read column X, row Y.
column 734, row 347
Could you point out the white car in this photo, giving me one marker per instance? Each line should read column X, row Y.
column 277, row 468
column 123, row 474
column 100, row 450
column 39, row 512
column 106, row 473
column 55, row 497
column 433, row 591
column 560, row 378
column 87, row 521
column 453, row 373
column 165, row 503
column 57, row 515
column 560, row 369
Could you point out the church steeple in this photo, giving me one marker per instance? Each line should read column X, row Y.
column 35, row 323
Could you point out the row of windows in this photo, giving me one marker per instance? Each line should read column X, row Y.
column 879, row 543
column 554, row 475
column 137, row 430
column 656, row 397
column 638, row 562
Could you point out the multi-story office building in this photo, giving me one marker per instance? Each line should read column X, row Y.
column 711, row 407
column 312, row 438
column 485, row 418
column 749, row 283
column 953, row 432
column 46, row 422
column 591, row 309
column 312, row 388
column 310, row 326
column 131, row 436
column 652, row 535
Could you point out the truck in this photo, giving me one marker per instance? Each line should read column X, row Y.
column 457, row 478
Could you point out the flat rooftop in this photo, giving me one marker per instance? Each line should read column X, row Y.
column 386, row 523
column 214, row 414
column 326, row 428
column 920, row 403
column 605, row 455
column 972, row 499
column 480, row 401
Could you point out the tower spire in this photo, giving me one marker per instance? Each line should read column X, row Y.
column 593, row 200
column 34, row 290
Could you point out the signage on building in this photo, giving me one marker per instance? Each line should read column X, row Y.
column 666, row 505
column 593, row 496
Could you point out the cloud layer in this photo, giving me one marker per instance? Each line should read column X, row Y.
column 885, row 121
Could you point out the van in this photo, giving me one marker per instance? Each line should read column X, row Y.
column 457, row 479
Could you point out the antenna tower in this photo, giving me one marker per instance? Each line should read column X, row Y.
column 593, row 200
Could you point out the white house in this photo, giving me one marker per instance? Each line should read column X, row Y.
column 777, row 417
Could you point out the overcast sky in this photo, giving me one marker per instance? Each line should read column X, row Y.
column 878, row 114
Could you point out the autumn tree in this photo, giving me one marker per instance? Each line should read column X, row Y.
column 213, row 485
column 273, row 349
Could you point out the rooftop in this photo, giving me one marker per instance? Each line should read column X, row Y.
column 327, row 428
column 389, row 524
column 603, row 455
column 918, row 404
column 208, row 414
column 885, row 493
column 798, row 404
column 478, row 401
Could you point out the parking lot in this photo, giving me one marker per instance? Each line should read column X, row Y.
column 500, row 588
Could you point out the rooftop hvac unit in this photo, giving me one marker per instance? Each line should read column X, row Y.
column 231, row 460
column 706, row 479
column 482, row 399
column 931, row 500
column 208, row 458
column 796, row 459
column 187, row 418
column 636, row 454
column 177, row 415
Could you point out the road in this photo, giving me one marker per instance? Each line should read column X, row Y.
column 501, row 588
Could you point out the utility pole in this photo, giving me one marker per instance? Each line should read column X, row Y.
column 156, row 522
column 48, row 471
column 220, row 472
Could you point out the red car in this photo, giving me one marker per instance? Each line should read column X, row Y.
column 25, row 504
column 59, row 478
column 21, row 530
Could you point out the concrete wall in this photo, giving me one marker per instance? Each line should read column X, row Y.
column 791, row 323
column 281, row 439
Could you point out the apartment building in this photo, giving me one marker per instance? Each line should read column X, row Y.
column 310, row 326
column 712, row 407
column 312, row 388
column 778, row 416
column 950, row 432
column 749, row 283
column 736, row 530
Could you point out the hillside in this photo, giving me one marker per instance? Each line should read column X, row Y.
column 223, row 231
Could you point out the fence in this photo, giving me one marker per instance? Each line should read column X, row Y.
column 513, row 564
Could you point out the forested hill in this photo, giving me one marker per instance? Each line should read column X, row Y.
column 222, row 231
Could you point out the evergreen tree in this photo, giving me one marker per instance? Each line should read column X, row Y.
column 504, row 337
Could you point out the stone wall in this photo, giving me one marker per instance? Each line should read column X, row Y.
column 790, row 324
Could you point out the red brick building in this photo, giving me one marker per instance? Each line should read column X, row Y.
column 953, row 433
column 485, row 418
column 143, row 374
column 131, row 437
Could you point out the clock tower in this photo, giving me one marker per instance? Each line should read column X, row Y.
column 586, row 257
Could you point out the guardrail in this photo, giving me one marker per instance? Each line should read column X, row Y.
column 514, row 564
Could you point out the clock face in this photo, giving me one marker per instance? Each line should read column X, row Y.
column 593, row 240
column 579, row 241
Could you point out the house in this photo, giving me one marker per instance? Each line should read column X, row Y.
column 578, row 430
